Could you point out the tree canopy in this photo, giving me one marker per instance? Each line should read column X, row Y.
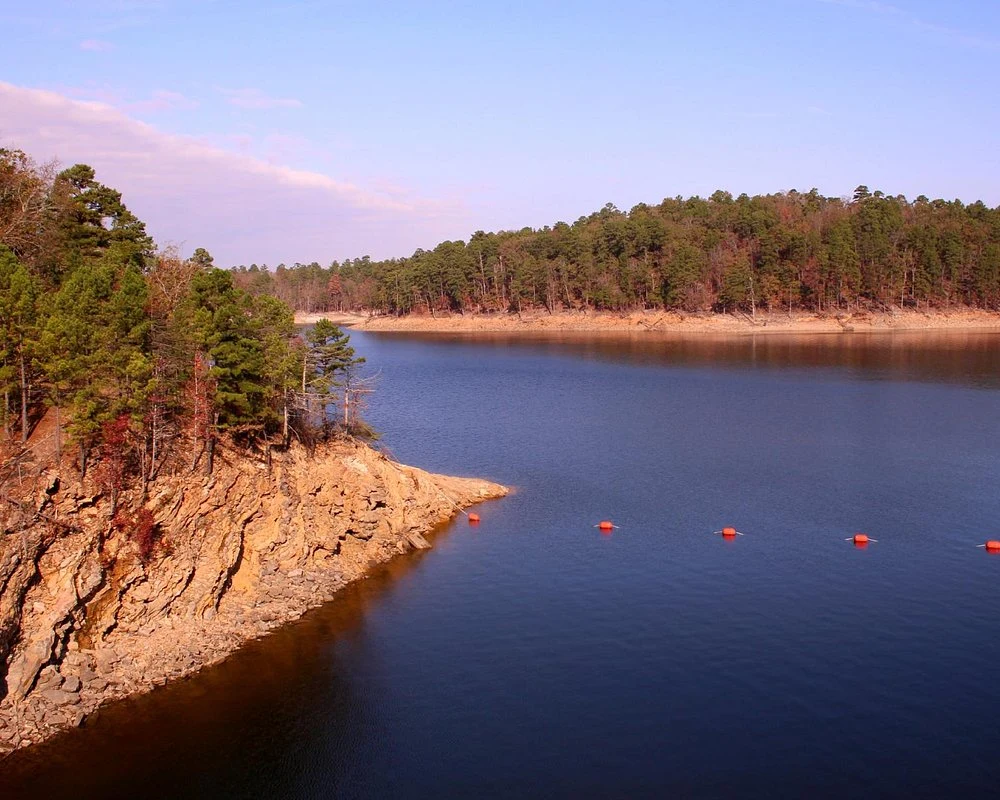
column 792, row 250
column 146, row 359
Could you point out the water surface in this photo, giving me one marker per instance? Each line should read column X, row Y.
column 534, row 657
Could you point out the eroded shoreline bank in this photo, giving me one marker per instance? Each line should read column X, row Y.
column 668, row 322
column 245, row 551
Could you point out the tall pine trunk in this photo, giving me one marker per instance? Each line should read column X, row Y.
column 24, row 401
column 58, row 435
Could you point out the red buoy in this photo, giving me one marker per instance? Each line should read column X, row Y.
column 861, row 539
column 993, row 545
column 606, row 525
column 729, row 533
column 473, row 519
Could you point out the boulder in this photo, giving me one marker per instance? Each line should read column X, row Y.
column 60, row 698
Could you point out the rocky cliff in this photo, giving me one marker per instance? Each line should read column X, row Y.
column 88, row 614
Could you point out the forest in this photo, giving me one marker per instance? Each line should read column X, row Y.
column 143, row 360
column 775, row 252
column 136, row 359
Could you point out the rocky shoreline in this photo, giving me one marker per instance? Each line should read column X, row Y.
column 84, row 620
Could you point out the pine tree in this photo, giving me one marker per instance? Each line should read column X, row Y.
column 86, row 218
column 330, row 357
column 18, row 331
column 225, row 332
column 326, row 366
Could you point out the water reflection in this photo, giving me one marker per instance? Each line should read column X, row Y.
column 970, row 357
column 532, row 657
column 248, row 726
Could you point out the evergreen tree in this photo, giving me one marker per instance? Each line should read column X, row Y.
column 226, row 334
column 95, row 349
column 19, row 293
column 330, row 357
column 85, row 219
column 807, row 251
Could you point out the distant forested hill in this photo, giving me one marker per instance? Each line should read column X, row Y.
column 792, row 250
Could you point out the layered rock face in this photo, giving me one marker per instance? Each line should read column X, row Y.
column 84, row 618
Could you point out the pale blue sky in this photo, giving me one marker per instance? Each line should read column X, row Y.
column 319, row 130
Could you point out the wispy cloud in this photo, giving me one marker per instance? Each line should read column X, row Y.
column 101, row 93
column 96, row 46
column 157, row 100
column 256, row 99
column 163, row 100
column 242, row 208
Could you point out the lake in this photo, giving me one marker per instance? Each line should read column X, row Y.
column 533, row 656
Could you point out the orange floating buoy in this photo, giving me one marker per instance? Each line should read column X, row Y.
column 729, row 533
column 473, row 519
column 606, row 525
column 861, row 538
column 993, row 545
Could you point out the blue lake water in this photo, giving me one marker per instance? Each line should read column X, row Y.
column 533, row 656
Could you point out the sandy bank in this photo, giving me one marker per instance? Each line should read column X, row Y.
column 336, row 317
column 83, row 620
column 675, row 322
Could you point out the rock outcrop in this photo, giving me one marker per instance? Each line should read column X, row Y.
column 85, row 618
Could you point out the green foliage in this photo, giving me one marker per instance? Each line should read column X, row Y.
column 202, row 258
column 737, row 284
column 681, row 270
column 226, row 332
column 18, row 303
column 283, row 353
column 87, row 219
column 329, row 358
column 140, row 355
column 169, row 353
column 19, row 293
column 802, row 250
column 94, row 349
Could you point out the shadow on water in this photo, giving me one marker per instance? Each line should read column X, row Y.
column 172, row 741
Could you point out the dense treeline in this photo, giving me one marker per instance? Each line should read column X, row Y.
column 142, row 359
column 776, row 252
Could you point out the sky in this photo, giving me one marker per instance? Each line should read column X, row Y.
column 272, row 132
